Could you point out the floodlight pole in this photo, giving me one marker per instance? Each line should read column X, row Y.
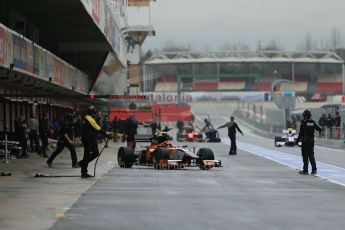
column 344, row 78
column 178, row 90
column 285, row 111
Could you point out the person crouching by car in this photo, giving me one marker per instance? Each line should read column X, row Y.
column 65, row 139
column 306, row 136
column 91, row 129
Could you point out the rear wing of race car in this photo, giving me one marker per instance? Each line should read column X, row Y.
column 143, row 138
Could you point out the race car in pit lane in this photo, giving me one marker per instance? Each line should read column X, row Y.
column 288, row 138
column 189, row 134
column 162, row 154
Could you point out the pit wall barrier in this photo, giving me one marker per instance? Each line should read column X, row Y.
column 162, row 112
column 24, row 56
column 265, row 122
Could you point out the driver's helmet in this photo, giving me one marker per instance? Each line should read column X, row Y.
column 162, row 136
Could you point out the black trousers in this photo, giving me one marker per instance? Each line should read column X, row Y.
column 43, row 150
column 34, row 140
column 23, row 142
column 233, row 147
column 60, row 146
column 91, row 152
column 308, row 155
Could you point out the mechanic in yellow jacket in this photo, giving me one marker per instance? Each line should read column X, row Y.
column 91, row 129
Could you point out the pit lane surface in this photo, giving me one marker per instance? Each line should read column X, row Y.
column 250, row 192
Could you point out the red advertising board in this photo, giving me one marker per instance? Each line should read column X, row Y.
column 2, row 43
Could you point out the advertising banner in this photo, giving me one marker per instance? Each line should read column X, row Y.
column 2, row 43
column 36, row 61
column 8, row 48
column 108, row 27
column 74, row 74
column 58, row 70
column 42, row 65
column 16, row 51
column 23, row 54
column 49, row 65
column 186, row 97
column 29, row 57
column 67, row 77
column 96, row 11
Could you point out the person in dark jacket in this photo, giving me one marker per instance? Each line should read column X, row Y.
column 91, row 129
column 322, row 122
column 306, row 136
column 20, row 131
column 337, row 123
column 130, row 128
column 44, row 133
column 329, row 125
column 66, row 140
column 232, row 127
column 116, row 127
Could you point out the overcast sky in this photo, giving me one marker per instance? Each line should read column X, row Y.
column 211, row 23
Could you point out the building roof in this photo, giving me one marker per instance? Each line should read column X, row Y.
column 245, row 57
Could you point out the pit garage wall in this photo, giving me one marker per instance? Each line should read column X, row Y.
column 31, row 59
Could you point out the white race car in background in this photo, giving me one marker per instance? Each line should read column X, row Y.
column 288, row 138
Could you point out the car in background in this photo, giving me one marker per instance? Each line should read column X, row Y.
column 288, row 138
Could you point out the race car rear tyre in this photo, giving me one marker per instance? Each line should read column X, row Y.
column 205, row 154
column 158, row 155
column 125, row 157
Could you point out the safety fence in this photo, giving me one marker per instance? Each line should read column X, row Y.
column 271, row 121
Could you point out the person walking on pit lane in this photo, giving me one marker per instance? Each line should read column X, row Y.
column 306, row 135
column 91, row 129
column 232, row 127
column 65, row 140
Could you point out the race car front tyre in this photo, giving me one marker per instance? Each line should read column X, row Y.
column 277, row 139
column 126, row 157
column 205, row 154
column 158, row 155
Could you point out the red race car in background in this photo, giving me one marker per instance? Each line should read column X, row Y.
column 189, row 134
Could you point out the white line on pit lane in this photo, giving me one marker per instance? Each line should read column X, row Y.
column 328, row 148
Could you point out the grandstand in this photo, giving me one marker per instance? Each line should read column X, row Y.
column 311, row 72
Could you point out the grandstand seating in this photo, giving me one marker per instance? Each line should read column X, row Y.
column 303, row 83
column 265, row 86
column 329, row 86
column 329, row 83
column 298, row 87
column 232, row 84
column 166, row 87
column 166, row 83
